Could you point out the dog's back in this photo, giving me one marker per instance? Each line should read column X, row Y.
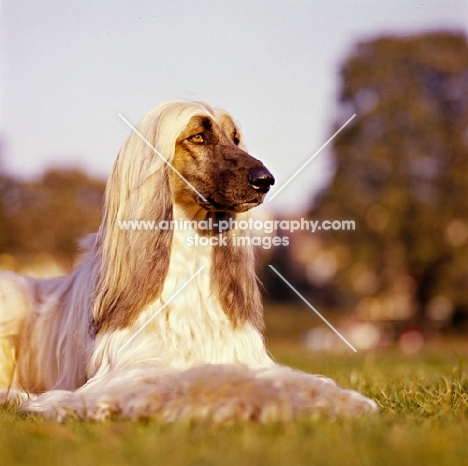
column 34, row 314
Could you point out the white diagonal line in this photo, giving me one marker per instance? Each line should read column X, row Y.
column 160, row 155
column 308, row 161
column 313, row 308
column 161, row 308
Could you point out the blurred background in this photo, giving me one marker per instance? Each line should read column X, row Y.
column 292, row 72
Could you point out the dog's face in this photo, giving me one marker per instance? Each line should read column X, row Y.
column 208, row 155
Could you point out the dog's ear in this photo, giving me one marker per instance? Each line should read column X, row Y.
column 133, row 258
column 234, row 280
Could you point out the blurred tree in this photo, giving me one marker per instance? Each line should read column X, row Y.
column 5, row 234
column 3, row 225
column 402, row 175
column 5, row 183
column 49, row 215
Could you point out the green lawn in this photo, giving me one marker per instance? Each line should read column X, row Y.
column 423, row 420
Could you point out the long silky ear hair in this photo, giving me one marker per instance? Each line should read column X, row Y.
column 234, row 280
column 134, row 263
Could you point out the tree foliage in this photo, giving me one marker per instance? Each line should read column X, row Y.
column 48, row 215
column 402, row 175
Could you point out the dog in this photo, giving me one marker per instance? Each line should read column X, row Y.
column 150, row 324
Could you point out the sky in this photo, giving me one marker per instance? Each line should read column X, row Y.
column 69, row 68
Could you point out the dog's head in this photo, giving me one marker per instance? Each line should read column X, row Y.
column 214, row 170
column 186, row 154
column 196, row 153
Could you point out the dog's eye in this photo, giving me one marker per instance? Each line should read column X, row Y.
column 236, row 138
column 197, row 139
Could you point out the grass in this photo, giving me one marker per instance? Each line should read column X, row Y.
column 423, row 419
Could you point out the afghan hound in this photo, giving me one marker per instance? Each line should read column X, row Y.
column 151, row 324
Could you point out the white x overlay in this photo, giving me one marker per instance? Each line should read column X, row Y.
column 160, row 155
column 201, row 268
column 160, row 309
column 313, row 308
column 308, row 161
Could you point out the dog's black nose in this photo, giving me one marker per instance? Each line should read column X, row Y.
column 261, row 179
